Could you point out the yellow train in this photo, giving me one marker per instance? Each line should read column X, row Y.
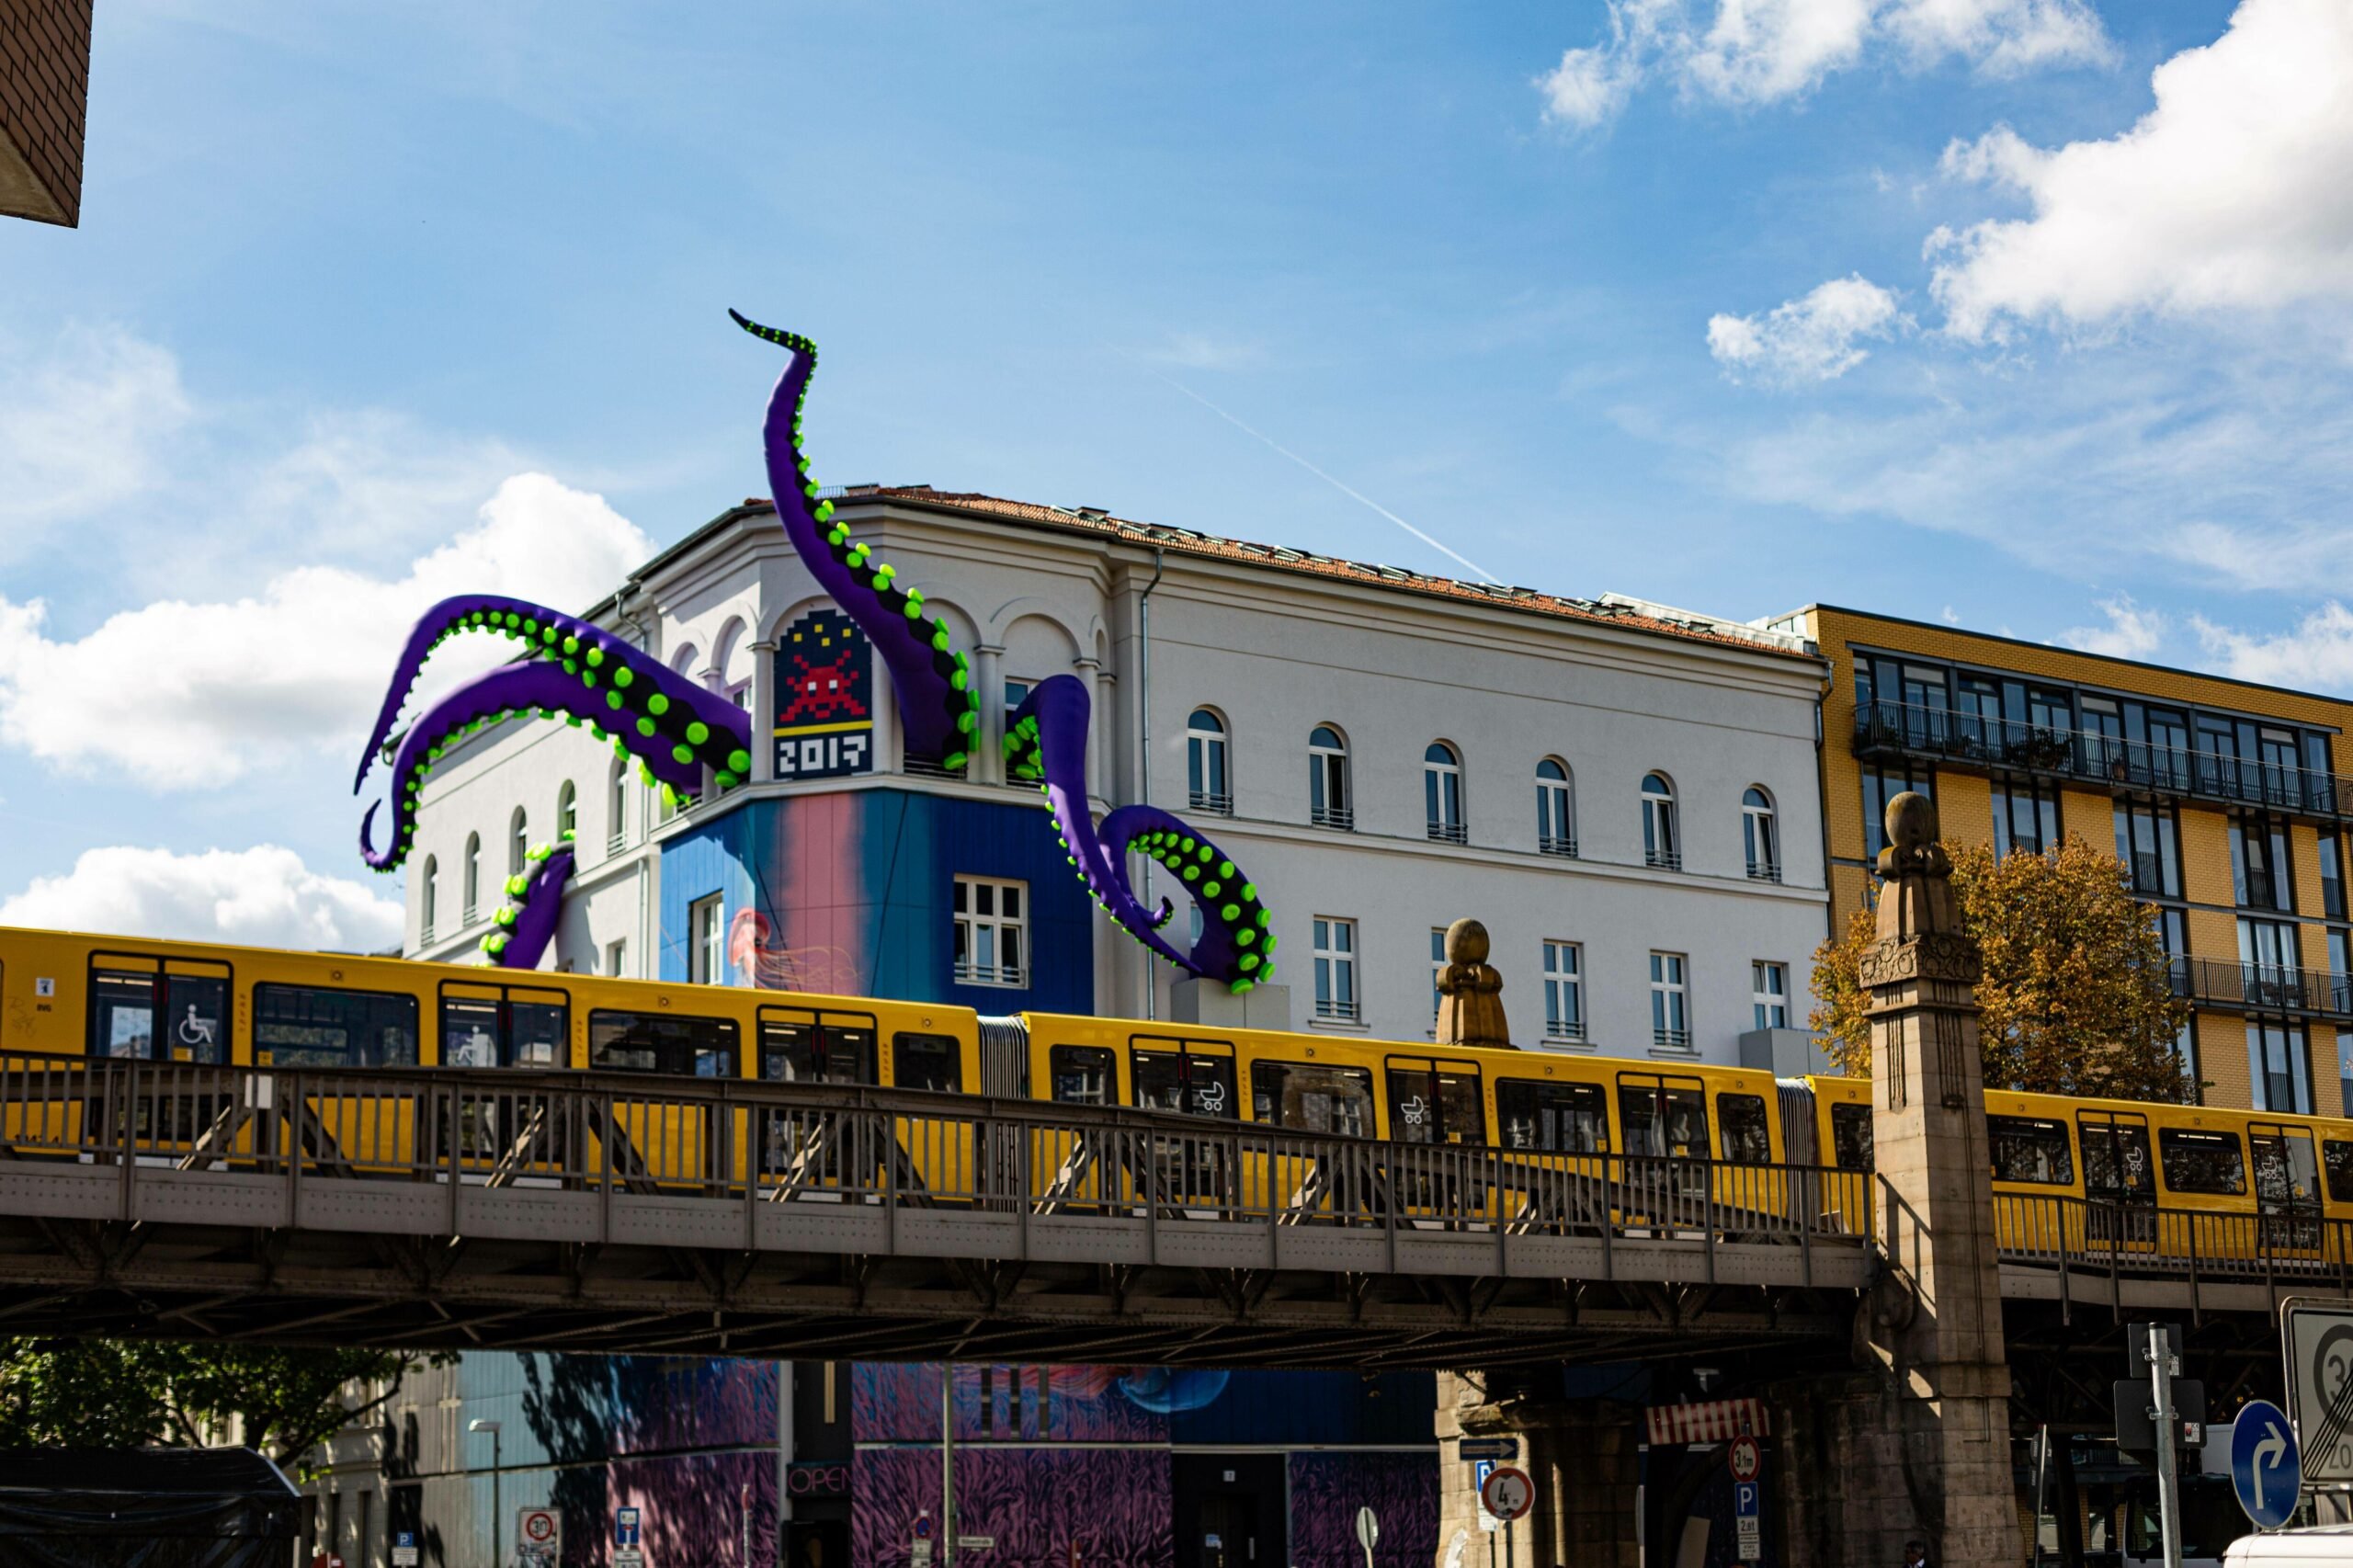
column 65, row 994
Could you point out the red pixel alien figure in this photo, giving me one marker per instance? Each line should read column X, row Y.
column 827, row 671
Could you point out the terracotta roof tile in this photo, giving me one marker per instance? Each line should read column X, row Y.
column 1092, row 521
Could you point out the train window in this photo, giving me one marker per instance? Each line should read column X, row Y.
column 2202, row 1162
column 927, row 1062
column 2286, row 1176
column 1308, row 1099
column 1084, row 1074
column 486, row 1026
column 1435, row 1102
column 1850, row 1136
column 317, row 1026
column 2116, row 1159
column 157, row 1016
column 2337, row 1157
column 800, row 1048
column 663, row 1042
column 2028, row 1150
column 1172, row 1076
column 1664, row 1116
column 1557, row 1119
column 1740, row 1122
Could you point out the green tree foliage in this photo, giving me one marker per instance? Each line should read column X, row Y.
column 127, row 1393
column 2076, row 999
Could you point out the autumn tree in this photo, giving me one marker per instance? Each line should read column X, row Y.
column 2076, row 999
column 130, row 1394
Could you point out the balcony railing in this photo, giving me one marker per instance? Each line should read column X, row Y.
column 1570, row 1030
column 1548, row 844
column 1342, row 1007
column 989, row 973
column 1764, row 870
column 1980, row 741
column 1210, row 801
column 1341, row 817
column 1670, row 1039
column 1663, row 860
column 2278, row 988
column 1449, row 833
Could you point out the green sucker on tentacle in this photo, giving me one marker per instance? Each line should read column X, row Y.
column 523, row 925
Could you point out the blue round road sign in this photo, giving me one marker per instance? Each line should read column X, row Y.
column 2265, row 1470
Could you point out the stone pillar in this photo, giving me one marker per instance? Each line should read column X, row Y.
column 988, row 748
column 1922, row 1444
column 1583, row 1455
column 1098, row 761
column 763, row 713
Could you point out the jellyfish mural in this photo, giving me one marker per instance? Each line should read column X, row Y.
column 687, row 739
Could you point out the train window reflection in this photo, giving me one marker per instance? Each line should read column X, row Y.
column 317, row 1026
column 815, row 1050
column 1566, row 1118
column 659, row 1042
column 2202, row 1162
column 1850, row 1136
column 1311, row 1098
column 927, row 1062
column 2337, row 1156
column 2026, row 1149
column 1184, row 1080
column 1664, row 1116
column 1740, row 1122
column 1084, row 1074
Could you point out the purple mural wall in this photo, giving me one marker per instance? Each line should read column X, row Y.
column 1113, row 1502
column 1328, row 1487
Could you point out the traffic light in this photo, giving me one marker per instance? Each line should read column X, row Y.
column 2135, row 1397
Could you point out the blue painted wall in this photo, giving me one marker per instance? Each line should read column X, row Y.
column 856, row 888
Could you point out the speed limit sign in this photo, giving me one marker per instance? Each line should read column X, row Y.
column 1745, row 1461
column 2316, row 1343
column 1507, row 1494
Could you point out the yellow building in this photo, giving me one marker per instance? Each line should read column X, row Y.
column 2228, row 801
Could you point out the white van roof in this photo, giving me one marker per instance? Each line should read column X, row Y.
column 2322, row 1543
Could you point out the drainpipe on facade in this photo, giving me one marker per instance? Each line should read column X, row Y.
column 1144, row 734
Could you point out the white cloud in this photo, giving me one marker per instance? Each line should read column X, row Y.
column 263, row 897
column 1200, row 351
column 2132, row 630
column 1810, row 339
column 2316, row 656
column 183, row 694
column 89, row 425
column 2231, row 194
column 1759, row 51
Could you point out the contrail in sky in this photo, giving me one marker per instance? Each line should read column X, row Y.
column 1477, row 570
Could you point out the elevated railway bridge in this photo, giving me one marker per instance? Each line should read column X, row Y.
column 558, row 1210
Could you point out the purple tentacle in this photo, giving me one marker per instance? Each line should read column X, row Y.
column 668, row 738
column 937, row 707
column 526, row 923
column 1048, row 736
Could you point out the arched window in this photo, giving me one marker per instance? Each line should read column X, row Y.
column 519, row 844
column 567, row 813
column 473, row 876
column 1760, row 835
column 1556, row 809
column 429, row 899
column 1205, row 774
column 1330, row 802
column 1442, row 792
column 1662, row 834
column 617, row 808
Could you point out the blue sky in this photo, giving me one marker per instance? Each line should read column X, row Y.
column 1936, row 306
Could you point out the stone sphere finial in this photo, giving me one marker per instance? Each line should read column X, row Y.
column 1911, row 822
column 1466, row 942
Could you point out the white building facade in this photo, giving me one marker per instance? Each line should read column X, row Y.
column 1627, row 797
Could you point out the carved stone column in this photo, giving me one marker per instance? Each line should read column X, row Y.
column 763, row 714
column 1932, row 1460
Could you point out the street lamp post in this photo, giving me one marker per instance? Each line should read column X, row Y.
column 497, row 1547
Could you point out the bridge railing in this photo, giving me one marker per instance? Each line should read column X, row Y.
column 757, row 1143
column 2279, row 1245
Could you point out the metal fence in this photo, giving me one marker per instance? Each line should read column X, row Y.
column 2119, row 1243
column 1000, row 1169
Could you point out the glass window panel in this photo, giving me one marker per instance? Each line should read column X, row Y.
column 2198, row 1161
column 1741, row 1122
column 2028, row 1149
column 311, row 1026
column 1569, row 1118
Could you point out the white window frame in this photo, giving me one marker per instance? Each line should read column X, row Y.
column 1444, row 818
column 617, row 805
column 1670, row 1000
column 1768, row 992
column 1556, row 810
column 1565, row 1014
column 707, row 940
column 1760, row 834
column 567, row 811
column 428, row 901
column 518, row 841
column 1209, row 758
column 981, row 931
column 617, row 956
column 1328, row 774
column 1662, row 836
column 471, row 875
column 1437, row 967
column 1337, row 997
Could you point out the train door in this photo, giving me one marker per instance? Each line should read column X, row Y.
column 508, row 1133
column 1078, row 1168
column 2287, row 1186
column 1437, row 1130
column 814, row 1148
column 145, row 1007
column 1662, row 1122
column 1555, row 1139
column 1329, row 1172
column 1195, row 1078
column 2120, row 1179
column 1746, row 1177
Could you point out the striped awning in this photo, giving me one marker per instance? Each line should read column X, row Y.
column 1711, row 1421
